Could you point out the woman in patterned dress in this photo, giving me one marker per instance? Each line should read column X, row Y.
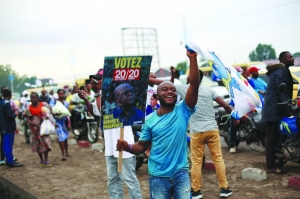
column 34, row 115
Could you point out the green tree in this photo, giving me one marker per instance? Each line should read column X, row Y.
column 262, row 52
column 18, row 83
column 297, row 54
column 182, row 66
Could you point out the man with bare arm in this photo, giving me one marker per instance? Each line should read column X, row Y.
column 165, row 129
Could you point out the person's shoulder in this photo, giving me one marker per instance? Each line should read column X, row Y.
column 205, row 89
column 6, row 101
column 182, row 86
column 44, row 103
column 151, row 119
column 138, row 111
column 177, row 82
column 181, row 104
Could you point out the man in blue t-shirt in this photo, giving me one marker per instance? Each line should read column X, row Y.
column 165, row 129
column 257, row 83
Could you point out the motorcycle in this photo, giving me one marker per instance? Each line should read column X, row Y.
column 289, row 150
column 88, row 126
column 250, row 129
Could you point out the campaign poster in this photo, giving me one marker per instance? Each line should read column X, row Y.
column 124, row 90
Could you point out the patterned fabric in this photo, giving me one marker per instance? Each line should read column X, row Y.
column 39, row 144
column 244, row 96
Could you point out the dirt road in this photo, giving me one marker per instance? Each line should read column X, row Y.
column 84, row 175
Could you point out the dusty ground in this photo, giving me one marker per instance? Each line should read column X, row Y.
column 84, row 175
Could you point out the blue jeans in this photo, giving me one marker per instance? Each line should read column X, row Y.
column 8, row 142
column 177, row 186
column 115, row 179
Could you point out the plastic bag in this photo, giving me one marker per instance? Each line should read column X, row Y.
column 60, row 108
column 47, row 128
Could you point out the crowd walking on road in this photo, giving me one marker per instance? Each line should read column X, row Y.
column 172, row 109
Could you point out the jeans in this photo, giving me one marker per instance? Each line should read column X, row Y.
column 8, row 143
column 2, row 152
column 115, row 179
column 176, row 186
column 198, row 141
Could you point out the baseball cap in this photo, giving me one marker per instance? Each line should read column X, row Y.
column 98, row 75
column 253, row 69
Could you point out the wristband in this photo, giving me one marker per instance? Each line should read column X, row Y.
column 129, row 148
column 97, row 94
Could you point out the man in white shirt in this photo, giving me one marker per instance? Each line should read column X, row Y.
column 115, row 179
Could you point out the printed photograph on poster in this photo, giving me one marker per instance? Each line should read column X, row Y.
column 124, row 90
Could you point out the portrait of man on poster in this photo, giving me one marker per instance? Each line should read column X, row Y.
column 125, row 106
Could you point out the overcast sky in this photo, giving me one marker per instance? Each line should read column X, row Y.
column 41, row 37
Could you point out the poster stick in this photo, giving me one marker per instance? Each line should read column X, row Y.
column 121, row 152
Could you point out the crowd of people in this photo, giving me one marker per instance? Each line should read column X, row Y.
column 35, row 109
column 163, row 133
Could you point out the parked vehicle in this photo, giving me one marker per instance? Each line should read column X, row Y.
column 89, row 127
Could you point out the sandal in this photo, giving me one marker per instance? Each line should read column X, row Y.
column 63, row 158
column 279, row 170
column 47, row 164
column 42, row 163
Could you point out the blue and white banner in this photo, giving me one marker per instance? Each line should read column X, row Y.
column 243, row 95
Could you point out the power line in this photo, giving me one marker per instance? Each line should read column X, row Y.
column 244, row 14
column 268, row 35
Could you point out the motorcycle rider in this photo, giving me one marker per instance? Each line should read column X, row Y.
column 24, row 101
column 77, row 110
column 271, row 113
column 44, row 97
column 257, row 145
column 257, row 83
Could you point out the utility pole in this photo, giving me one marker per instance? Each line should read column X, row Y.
column 184, row 35
column 11, row 77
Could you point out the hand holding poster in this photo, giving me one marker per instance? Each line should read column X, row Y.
column 124, row 90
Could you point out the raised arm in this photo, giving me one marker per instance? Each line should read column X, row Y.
column 192, row 91
column 172, row 69
column 158, row 81
column 155, row 81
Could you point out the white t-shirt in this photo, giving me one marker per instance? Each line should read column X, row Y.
column 24, row 103
column 177, row 82
column 151, row 90
column 112, row 135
